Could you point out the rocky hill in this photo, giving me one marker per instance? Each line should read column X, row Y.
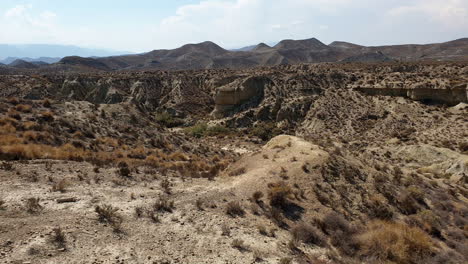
column 208, row 55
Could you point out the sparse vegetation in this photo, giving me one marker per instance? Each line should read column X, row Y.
column 279, row 194
column 308, row 234
column 234, row 209
column 109, row 214
column 396, row 242
column 33, row 206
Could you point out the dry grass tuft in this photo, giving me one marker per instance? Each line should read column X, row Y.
column 32, row 205
column 279, row 194
column 61, row 186
column 308, row 234
column 396, row 242
column 234, row 209
column 23, row 108
column 58, row 238
column 109, row 214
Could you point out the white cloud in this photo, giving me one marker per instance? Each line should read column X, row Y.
column 235, row 23
column 243, row 22
column 451, row 14
column 21, row 25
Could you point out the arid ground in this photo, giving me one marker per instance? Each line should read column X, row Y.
column 309, row 163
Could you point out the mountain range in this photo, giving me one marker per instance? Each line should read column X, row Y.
column 208, row 55
column 28, row 51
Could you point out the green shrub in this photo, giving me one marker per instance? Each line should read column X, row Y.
column 168, row 120
column 203, row 130
column 265, row 131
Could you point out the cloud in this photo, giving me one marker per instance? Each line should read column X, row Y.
column 451, row 14
column 20, row 24
column 243, row 22
column 235, row 23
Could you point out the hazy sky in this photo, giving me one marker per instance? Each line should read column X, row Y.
column 143, row 25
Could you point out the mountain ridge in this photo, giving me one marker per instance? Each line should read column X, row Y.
column 209, row 55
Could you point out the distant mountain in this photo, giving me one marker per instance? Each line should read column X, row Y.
column 53, row 51
column 208, row 55
column 48, row 60
column 21, row 64
column 252, row 47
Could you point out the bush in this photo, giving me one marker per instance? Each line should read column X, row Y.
column 257, row 196
column 58, row 238
column 334, row 222
column 396, row 242
column 168, row 120
column 60, row 186
column 202, row 130
column 234, row 209
column 265, row 131
column 108, row 214
column 163, row 204
column 308, row 234
column 23, row 108
column 279, row 194
column 32, row 205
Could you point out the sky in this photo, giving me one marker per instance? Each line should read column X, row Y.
column 144, row 25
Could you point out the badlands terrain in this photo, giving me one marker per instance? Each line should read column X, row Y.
column 307, row 163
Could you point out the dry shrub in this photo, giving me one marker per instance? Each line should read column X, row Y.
column 32, row 205
column 257, row 196
column 14, row 114
column 277, row 216
column 153, row 161
column 46, row 103
column 396, row 242
column 59, row 238
column 61, row 186
column 7, row 129
column 13, row 100
column 47, row 116
column 279, row 194
column 31, row 136
column 262, row 230
column 416, row 193
column 238, row 172
column 199, row 204
column 178, row 156
column 23, row 108
column 225, row 230
column 379, row 208
column 234, row 209
column 7, row 166
column 38, row 151
column 334, row 221
column 308, row 234
column 109, row 214
column 285, row 261
column 6, row 140
column 239, row 244
column 31, row 125
column 408, row 205
column 163, row 204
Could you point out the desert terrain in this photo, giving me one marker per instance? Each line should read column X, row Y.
column 306, row 163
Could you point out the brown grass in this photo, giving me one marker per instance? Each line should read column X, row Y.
column 23, row 108
column 32, row 205
column 279, row 194
column 308, row 234
column 234, row 209
column 396, row 242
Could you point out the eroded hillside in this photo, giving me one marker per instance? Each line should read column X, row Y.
column 326, row 163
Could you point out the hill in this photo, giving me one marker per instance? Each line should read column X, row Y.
column 208, row 55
